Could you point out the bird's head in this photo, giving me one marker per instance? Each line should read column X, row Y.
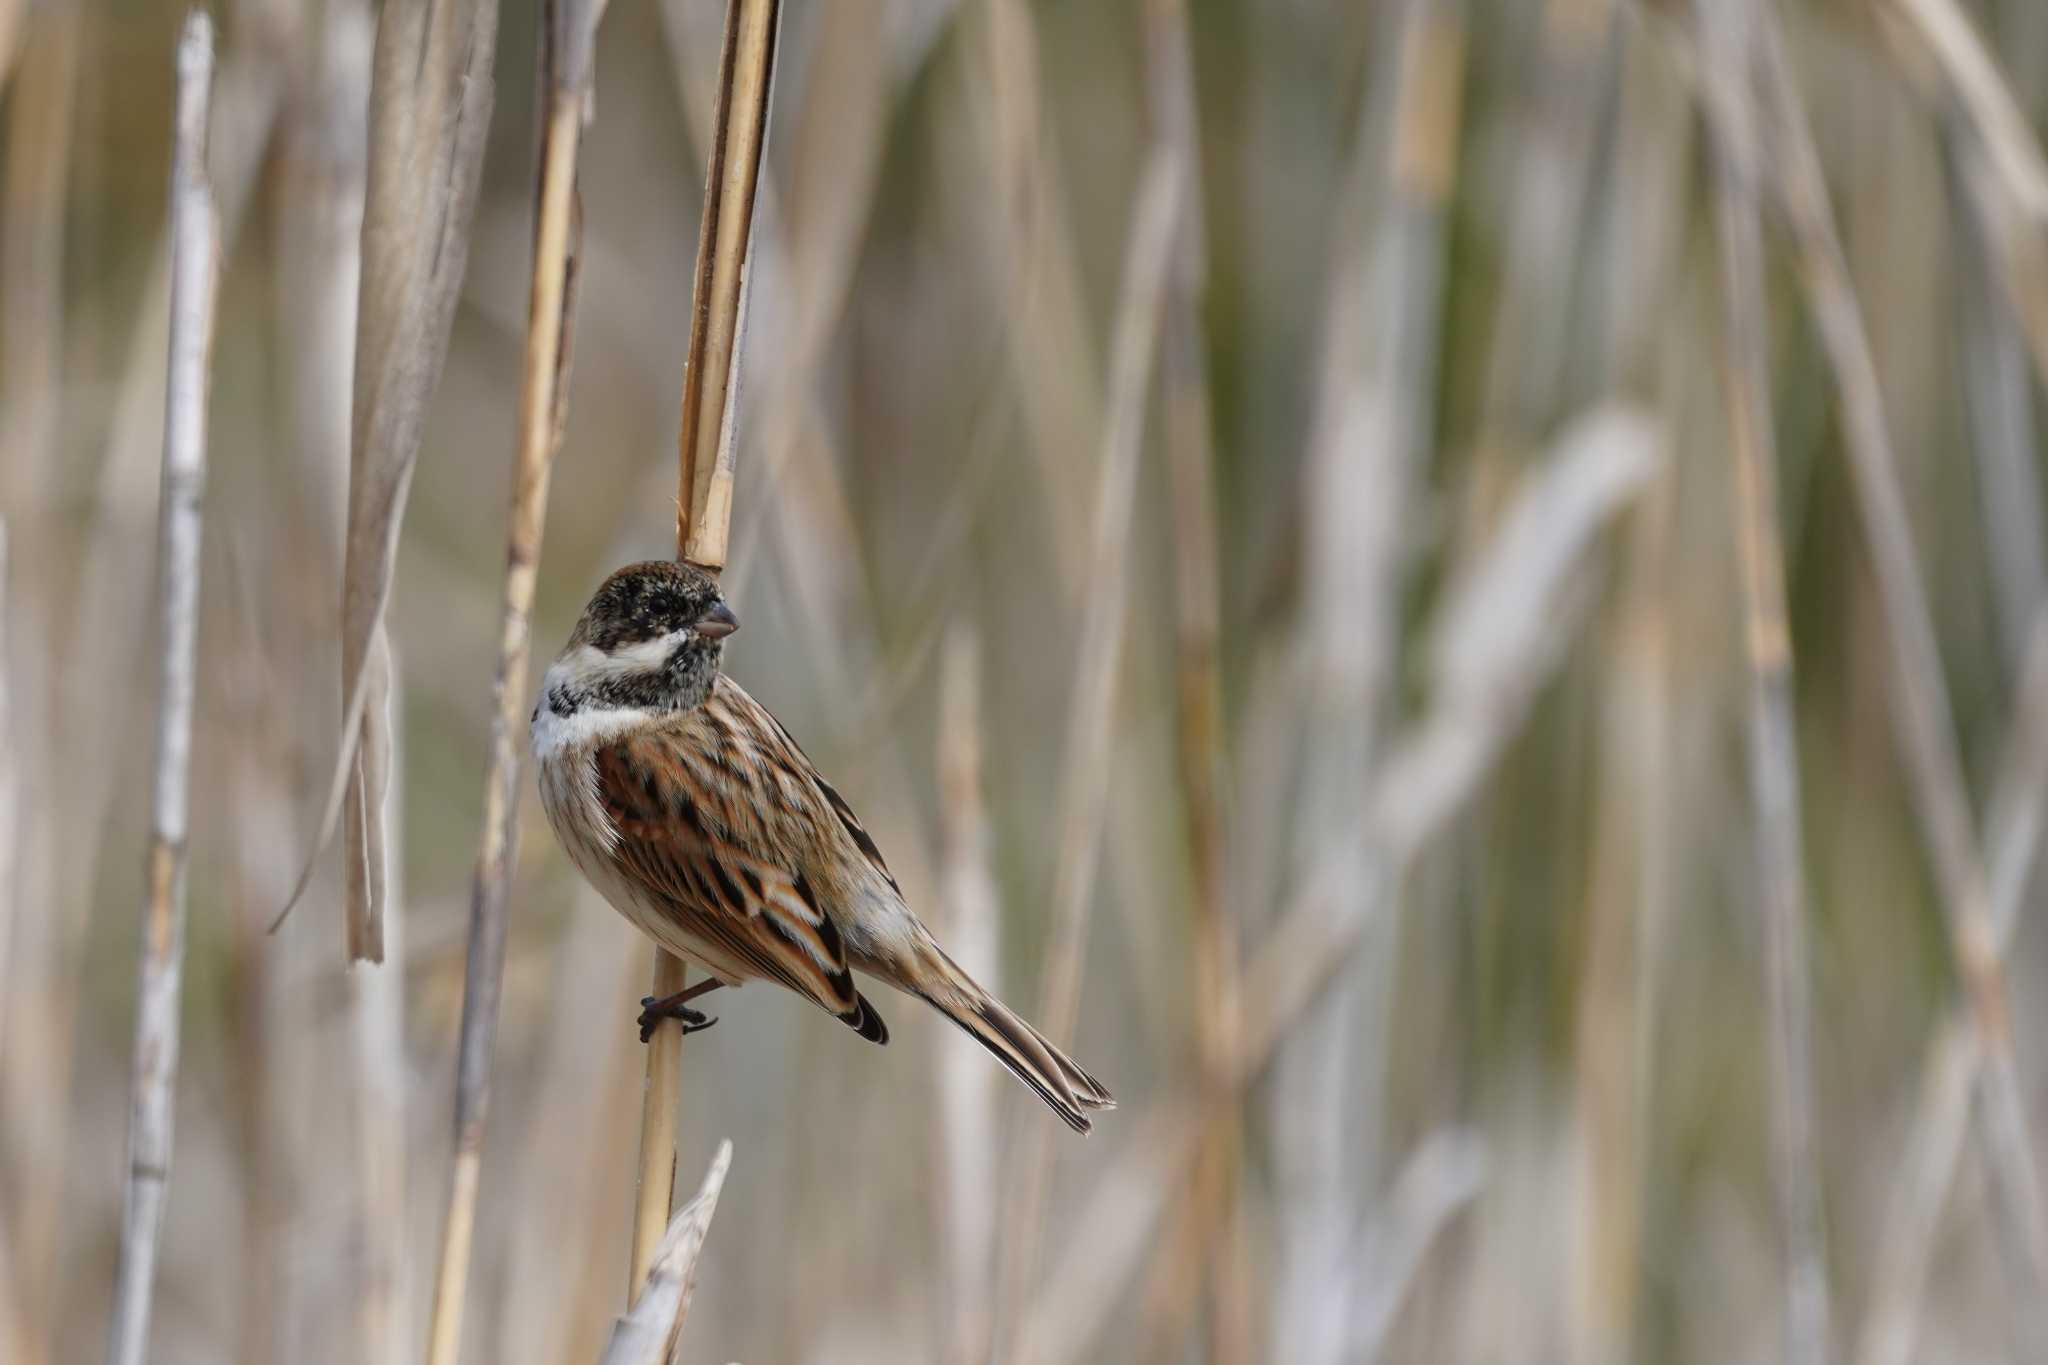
column 650, row 640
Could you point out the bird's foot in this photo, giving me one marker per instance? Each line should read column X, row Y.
column 653, row 1011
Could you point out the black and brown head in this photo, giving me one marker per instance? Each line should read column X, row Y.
column 651, row 638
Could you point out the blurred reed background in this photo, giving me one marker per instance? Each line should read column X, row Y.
column 1274, row 513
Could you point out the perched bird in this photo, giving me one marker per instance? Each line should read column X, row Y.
column 697, row 816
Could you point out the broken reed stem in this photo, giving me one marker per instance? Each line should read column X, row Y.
column 718, row 317
column 1730, row 48
column 647, row 1334
column 541, row 406
column 1090, row 741
column 705, row 456
column 194, row 279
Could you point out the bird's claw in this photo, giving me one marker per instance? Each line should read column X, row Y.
column 653, row 1011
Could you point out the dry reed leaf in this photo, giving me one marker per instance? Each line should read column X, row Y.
column 430, row 107
column 647, row 1334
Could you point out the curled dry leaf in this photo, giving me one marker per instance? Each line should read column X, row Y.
column 430, row 109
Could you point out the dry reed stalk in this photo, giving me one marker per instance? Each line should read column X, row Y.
column 325, row 152
column 430, row 105
column 1214, row 1251
column 1629, row 898
column 1046, row 328
column 1508, row 620
column 569, row 30
column 718, row 315
column 1562, row 151
column 1919, row 699
column 1440, row 1177
column 2000, row 119
column 647, row 1334
column 195, row 267
column 1730, row 42
column 966, row 1108
column 1500, row 635
column 1090, row 744
column 1922, row 712
column 1954, row 1070
column 2011, row 185
column 91, row 652
column 1999, row 403
column 706, row 450
column 1374, row 436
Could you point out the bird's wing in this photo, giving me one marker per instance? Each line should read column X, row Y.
column 729, row 698
column 695, row 830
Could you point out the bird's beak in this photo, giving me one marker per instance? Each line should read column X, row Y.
column 718, row 623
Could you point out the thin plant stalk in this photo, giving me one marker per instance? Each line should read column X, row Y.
column 1509, row 644
column 966, row 1108
column 1954, row 1071
column 1215, row 1240
column 566, row 75
column 1731, row 45
column 1375, row 433
column 1921, row 709
column 195, row 272
column 1148, row 255
column 705, row 458
column 1046, row 331
column 1998, row 398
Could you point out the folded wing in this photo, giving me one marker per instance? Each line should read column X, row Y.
column 691, row 831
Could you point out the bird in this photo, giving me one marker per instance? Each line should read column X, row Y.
column 696, row 814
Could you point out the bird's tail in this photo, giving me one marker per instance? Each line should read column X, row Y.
column 1057, row 1078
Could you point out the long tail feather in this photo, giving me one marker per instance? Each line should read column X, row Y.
column 1030, row 1057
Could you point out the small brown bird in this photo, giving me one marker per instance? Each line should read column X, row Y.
column 702, row 822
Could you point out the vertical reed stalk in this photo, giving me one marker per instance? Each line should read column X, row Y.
column 195, row 268
column 568, row 34
column 705, row 455
column 1090, row 742
column 1731, row 45
column 1215, row 1243
column 1922, row 714
column 966, row 1108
